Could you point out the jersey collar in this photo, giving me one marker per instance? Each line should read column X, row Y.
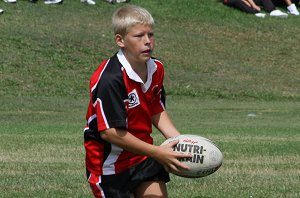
column 151, row 67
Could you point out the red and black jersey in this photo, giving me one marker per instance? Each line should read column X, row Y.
column 120, row 99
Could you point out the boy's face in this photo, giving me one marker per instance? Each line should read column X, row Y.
column 137, row 44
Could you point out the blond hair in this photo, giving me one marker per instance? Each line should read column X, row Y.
column 127, row 16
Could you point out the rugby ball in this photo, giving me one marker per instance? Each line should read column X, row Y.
column 206, row 156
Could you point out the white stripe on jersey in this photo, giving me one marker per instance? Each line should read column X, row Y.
column 95, row 85
column 102, row 112
column 91, row 118
column 109, row 163
column 160, row 101
column 85, row 128
column 162, row 104
column 98, row 185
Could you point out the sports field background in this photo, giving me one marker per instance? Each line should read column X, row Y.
column 230, row 77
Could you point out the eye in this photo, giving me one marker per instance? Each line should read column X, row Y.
column 151, row 34
column 139, row 35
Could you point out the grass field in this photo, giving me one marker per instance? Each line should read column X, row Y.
column 231, row 77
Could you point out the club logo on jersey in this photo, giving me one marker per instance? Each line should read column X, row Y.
column 133, row 99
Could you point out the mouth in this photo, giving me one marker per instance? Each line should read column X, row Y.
column 148, row 51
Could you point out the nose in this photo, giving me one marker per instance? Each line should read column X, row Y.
column 147, row 39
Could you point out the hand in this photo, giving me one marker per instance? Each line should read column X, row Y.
column 169, row 159
column 256, row 8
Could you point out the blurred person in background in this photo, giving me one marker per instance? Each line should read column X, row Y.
column 92, row 2
column 53, row 1
column 10, row 1
column 117, row 1
column 255, row 7
column 34, row 1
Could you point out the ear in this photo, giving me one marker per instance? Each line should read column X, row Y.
column 119, row 40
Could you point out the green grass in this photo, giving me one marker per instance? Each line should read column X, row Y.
column 42, row 153
column 221, row 65
column 230, row 53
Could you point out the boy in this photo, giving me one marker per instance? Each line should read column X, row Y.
column 126, row 98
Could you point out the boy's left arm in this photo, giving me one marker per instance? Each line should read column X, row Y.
column 164, row 124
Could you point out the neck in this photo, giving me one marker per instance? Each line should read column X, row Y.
column 141, row 71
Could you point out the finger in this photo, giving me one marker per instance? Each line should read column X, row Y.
column 184, row 155
column 167, row 168
column 173, row 168
column 181, row 165
column 173, row 143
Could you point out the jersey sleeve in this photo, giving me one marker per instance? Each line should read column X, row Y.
column 108, row 101
column 159, row 92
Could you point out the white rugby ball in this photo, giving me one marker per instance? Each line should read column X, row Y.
column 206, row 156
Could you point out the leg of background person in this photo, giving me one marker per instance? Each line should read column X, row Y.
column 291, row 7
column 267, row 5
column 241, row 5
column 270, row 7
column 284, row 2
column 288, row 2
column 246, row 2
column 296, row 2
column 281, row 2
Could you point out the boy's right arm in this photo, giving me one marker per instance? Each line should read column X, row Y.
column 163, row 154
